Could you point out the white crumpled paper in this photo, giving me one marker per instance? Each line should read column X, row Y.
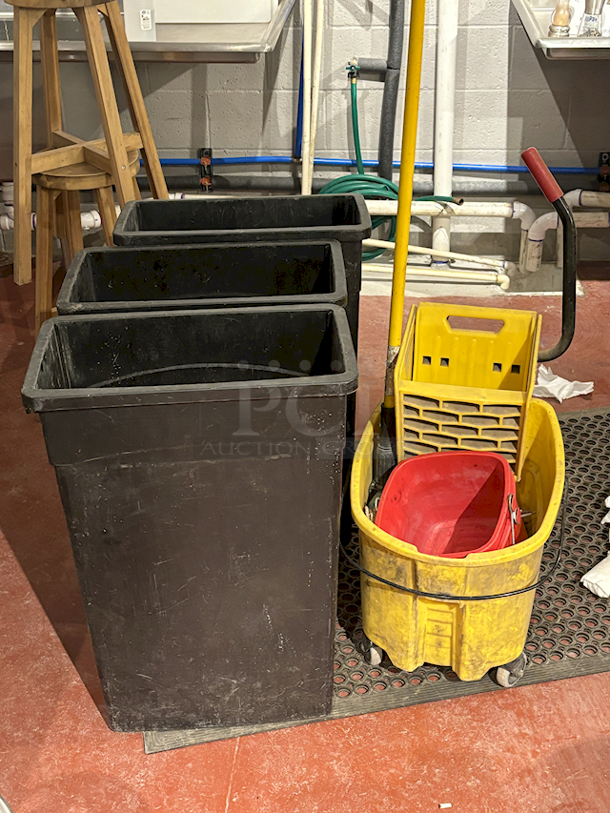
column 597, row 580
column 554, row 386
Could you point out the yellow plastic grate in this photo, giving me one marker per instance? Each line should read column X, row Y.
column 464, row 378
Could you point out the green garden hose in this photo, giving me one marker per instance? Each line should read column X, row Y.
column 370, row 186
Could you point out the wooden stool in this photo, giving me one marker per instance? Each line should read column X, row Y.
column 109, row 154
column 68, row 182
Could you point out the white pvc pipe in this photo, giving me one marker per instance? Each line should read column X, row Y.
column 388, row 208
column 592, row 199
column 89, row 220
column 315, row 94
column 539, row 229
column 424, row 208
column 584, row 220
column 581, row 198
column 307, row 90
column 7, row 193
column 523, row 213
column 8, row 224
column 4, row 808
column 527, row 217
column 448, row 274
column 514, row 211
column 505, row 265
column 444, row 113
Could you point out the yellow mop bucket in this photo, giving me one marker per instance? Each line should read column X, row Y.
column 464, row 379
column 470, row 636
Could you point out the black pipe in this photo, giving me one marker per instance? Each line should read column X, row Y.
column 387, row 122
column 568, row 302
column 372, row 68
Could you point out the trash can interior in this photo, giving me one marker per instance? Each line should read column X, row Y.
column 189, row 347
column 321, row 211
column 215, row 275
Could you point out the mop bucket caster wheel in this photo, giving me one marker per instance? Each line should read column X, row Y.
column 372, row 653
column 511, row 673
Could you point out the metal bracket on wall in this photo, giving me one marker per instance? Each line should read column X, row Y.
column 205, row 168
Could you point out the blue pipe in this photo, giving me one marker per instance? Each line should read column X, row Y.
column 177, row 162
column 347, row 162
column 254, row 159
column 298, row 136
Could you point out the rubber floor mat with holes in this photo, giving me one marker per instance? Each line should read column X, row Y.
column 569, row 633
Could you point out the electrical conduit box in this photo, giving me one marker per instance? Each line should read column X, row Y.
column 165, row 20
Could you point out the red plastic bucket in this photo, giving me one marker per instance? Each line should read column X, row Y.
column 451, row 503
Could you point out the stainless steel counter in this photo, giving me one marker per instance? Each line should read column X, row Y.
column 184, row 43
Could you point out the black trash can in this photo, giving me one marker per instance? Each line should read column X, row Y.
column 255, row 219
column 198, row 456
column 204, row 276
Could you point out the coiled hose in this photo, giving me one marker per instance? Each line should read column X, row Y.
column 369, row 186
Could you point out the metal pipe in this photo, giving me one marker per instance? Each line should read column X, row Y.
column 387, row 122
column 554, row 194
column 568, row 301
column 444, row 109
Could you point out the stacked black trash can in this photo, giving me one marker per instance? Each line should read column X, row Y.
column 194, row 397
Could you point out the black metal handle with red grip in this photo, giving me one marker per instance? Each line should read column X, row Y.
column 554, row 194
column 542, row 175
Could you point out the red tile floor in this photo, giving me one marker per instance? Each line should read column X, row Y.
column 543, row 748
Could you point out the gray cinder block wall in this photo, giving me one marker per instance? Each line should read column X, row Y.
column 509, row 96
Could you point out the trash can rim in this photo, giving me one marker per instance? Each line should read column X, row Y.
column 338, row 384
column 67, row 306
column 346, row 233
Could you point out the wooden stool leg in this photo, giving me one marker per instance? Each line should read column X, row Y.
column 73, row 223
column 136, row 189
column 60, row 229
column 105, row 201
column 133, row 92
column 49, row 57
column 106, row 100
column 44, row 254
column 24, row 20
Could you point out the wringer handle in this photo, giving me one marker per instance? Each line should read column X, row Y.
column 554, row 194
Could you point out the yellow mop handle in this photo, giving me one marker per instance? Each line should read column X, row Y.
column 405, row 189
